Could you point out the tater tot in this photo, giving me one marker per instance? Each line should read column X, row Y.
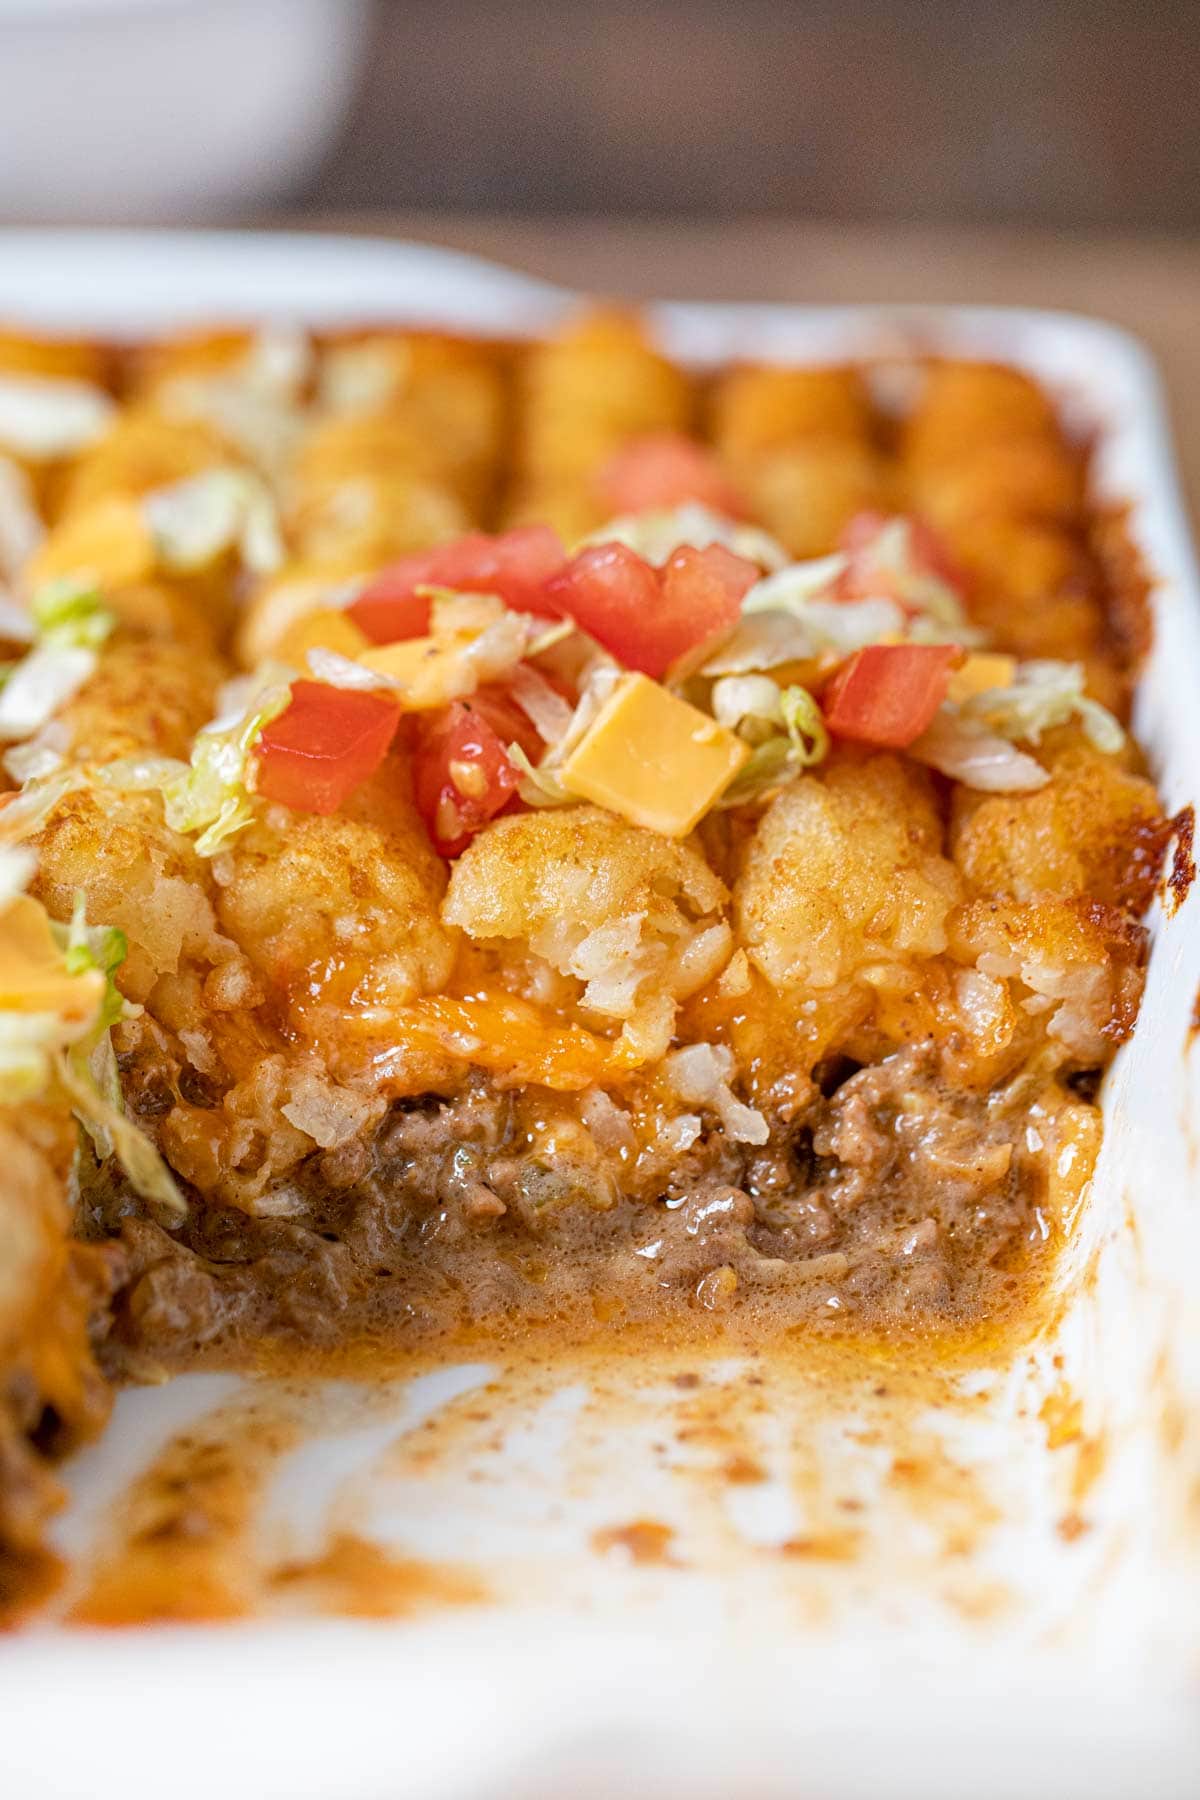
column 447, row 393
column 63, row 359
column 1094, row 829
column 757, row 410
column 338, row 911
column 632, row 922
column 146, row 695
column 844, row 871
column 806, row 493
column 581, row 396
column 965, row 404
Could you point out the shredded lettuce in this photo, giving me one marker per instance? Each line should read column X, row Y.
column 805, row 727
column 657, row 533
column 1045, row 694
column 39, row 1049
column 910, row 603
column 195, row 521
column 963, row 748
column 100, row 947
column 786, row 730
column 21, row 527
column 111, row 1131
column 769, row 766
column 212, row 796
column 70, row 614
column 749, row 704
column 541, row 703
column 69, row 622
column 35, row 688
column 892, row 556
column 340, row 671
column 48, row 416
column 790, row 588
column 538, row 786
column 805, row 628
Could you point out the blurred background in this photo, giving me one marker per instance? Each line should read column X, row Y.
column 1059, row 113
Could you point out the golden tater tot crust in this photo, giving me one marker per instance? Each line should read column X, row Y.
column 1094, row 831
column 145, row 696
column 806, row 493
column 844, row 872
column 755, row 411
column 337, row 912
column 800, row 445
column 448, row 395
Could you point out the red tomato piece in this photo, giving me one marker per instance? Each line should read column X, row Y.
column 646, row 617
column 866, row 577
column 515, row 565
column 887, row 694
column 611, row 593
column 390, row 607
column 664, row 470
column 461, row 773
column 327, row 742
column 510, row 722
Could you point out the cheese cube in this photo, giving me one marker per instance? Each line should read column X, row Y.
column 982, row 671
column 653, row 759
column 428, row 671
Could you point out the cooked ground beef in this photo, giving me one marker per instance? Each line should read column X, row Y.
column 891, row 1200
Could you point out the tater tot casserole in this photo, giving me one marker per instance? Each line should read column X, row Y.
column 508, row 835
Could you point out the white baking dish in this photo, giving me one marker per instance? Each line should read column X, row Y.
column 992, row 1616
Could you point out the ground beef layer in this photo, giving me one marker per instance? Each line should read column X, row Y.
column 892, row 1201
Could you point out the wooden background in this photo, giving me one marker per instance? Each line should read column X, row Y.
column 1058, row 112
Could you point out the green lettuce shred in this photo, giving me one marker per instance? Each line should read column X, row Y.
column 70, row 614
column 212, row 797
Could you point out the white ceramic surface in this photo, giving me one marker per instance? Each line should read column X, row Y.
column 153, row 110
column 971, row 1643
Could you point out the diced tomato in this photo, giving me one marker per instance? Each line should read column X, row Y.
column 326, row 743
column 391, row 608
column 510, row 722
column 887, row 694
column 866, row 578
column 461, row 774
column 514, row 565
column 648, row 617
column 664, row 470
